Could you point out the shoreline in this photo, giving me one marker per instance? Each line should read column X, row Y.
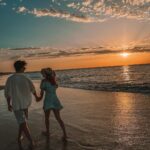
column 112, row 91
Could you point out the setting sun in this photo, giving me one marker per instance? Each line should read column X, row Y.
column 124, row 54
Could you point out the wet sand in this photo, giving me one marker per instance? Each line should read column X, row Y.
column 94, row 121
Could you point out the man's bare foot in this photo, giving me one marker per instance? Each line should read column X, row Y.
column 45, row 133
column 20, row 145
column 31, row 145
column 20, row 148
column 21, row 138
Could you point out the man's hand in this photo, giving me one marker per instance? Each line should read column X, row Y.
column 10, row 108
column 9, row 104
column 36, row 97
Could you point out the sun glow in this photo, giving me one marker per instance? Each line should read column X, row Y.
column 124, row 54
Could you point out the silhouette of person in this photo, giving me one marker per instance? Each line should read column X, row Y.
column 18, row 92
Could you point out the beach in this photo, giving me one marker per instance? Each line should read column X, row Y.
column 94, row 55
column 94, row 120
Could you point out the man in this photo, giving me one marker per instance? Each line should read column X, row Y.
column 18, row 92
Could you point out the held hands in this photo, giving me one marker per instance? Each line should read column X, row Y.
column 38, row 99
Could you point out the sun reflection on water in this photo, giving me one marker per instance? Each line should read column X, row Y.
column 126, row 123
column 126, row 75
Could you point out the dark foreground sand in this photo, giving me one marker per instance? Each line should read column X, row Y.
column 94, row 121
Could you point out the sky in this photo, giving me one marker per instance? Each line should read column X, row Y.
column 67, row 34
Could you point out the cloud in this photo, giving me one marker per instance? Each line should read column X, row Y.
column 72, row 5
column 131, row 9
column 87, row 2
column 59, row 14
column 47, row 52
column 22, row 9
column 88, row 11
column 3, row 3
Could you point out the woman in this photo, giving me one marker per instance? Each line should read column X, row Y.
column 51, row 101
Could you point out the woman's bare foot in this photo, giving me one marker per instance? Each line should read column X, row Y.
column 64, row 138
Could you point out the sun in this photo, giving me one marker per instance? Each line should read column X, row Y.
column 124, row 54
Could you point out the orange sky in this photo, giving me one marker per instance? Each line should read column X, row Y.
column 82, row 61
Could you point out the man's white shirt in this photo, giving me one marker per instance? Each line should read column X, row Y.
column 19, row 88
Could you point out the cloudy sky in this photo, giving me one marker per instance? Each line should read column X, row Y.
column 74, row 29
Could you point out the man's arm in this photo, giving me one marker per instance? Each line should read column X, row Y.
column 9, row 104
column 41, row 94
column 36, row 97
column 7, row 94
column 32, row 89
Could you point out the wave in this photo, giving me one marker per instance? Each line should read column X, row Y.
column 134, row 88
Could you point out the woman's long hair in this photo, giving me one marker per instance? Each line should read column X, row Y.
column 50, row 75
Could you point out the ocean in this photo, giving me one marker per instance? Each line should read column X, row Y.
column 134, row 78
column 124, row 79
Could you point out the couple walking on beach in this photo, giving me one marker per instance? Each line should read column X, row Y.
column 18, row 92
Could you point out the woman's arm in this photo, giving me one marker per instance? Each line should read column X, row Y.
column 42, row 87
column 41, row 94
column 36, row 97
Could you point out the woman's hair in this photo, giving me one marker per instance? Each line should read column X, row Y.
column 49, row 75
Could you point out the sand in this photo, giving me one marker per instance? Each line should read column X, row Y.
column 94, row 121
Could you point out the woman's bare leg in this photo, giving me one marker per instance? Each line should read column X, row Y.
column 47, row 114
column 61, row 123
